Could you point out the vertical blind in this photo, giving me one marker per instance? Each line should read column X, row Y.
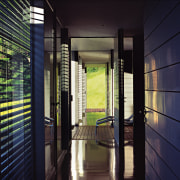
column 15, row 90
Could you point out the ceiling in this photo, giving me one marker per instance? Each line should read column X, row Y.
column 100, row 18
column 93, row 24
column 97, row 50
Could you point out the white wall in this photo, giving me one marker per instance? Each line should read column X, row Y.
column 47, row 84
column 84, row 97
column 74, row 91
column 128, row 95
column 80, row 90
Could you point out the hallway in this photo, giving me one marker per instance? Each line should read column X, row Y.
column 97, row 160
column 46, row 48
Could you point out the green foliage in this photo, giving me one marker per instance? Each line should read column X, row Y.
column 15, row 77
column 92, row 69
column 93, row 116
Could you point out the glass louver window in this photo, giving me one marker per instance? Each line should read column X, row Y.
column 15, row 90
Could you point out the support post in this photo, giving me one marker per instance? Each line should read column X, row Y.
column 107, row 91
column 119, row 98
column 139, row 126
column 70, row 94
column 112, row 82
column 55, row 86
column 64, row 89
column 37, row 69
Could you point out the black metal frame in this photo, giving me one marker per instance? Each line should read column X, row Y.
column 112, row 79
column 70, row 96
column 139, row 125
column 65, row 107
column 121, row 97
column 55, row 86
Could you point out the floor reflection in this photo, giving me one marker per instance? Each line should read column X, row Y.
column 49, row 158
column 89, row 160
column 128, row 149
column 98, row 160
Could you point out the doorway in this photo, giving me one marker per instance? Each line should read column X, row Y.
column 95, row 93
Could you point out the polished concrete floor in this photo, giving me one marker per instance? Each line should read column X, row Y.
column 88, row 160
column 97, row 160
column 92, row 159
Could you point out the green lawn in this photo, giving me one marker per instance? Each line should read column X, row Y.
column 96, row 87
column 93, row 116
column 95, row 92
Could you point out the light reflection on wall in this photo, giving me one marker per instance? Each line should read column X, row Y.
column 36, row 15
column 154, row 79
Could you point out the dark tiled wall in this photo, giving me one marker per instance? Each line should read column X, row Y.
column 162, row 89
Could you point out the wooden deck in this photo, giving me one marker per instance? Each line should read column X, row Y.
column 128, row 133
column 88, row 133
column 103, row 133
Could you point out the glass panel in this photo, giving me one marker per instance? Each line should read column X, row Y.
column 48, row 90
column 58, row 78
column 52, row 90
column 15, row 90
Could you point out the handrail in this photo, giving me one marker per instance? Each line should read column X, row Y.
column 48, row 121
column 129, row 120
column 104, row 120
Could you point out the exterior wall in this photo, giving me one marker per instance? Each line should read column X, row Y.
column 84, row 98
column 128, row 95
column 80, row 90
column 110, row 90
column 108, row 96
column 47, row 85
column 74, row 90
column 162, row 90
